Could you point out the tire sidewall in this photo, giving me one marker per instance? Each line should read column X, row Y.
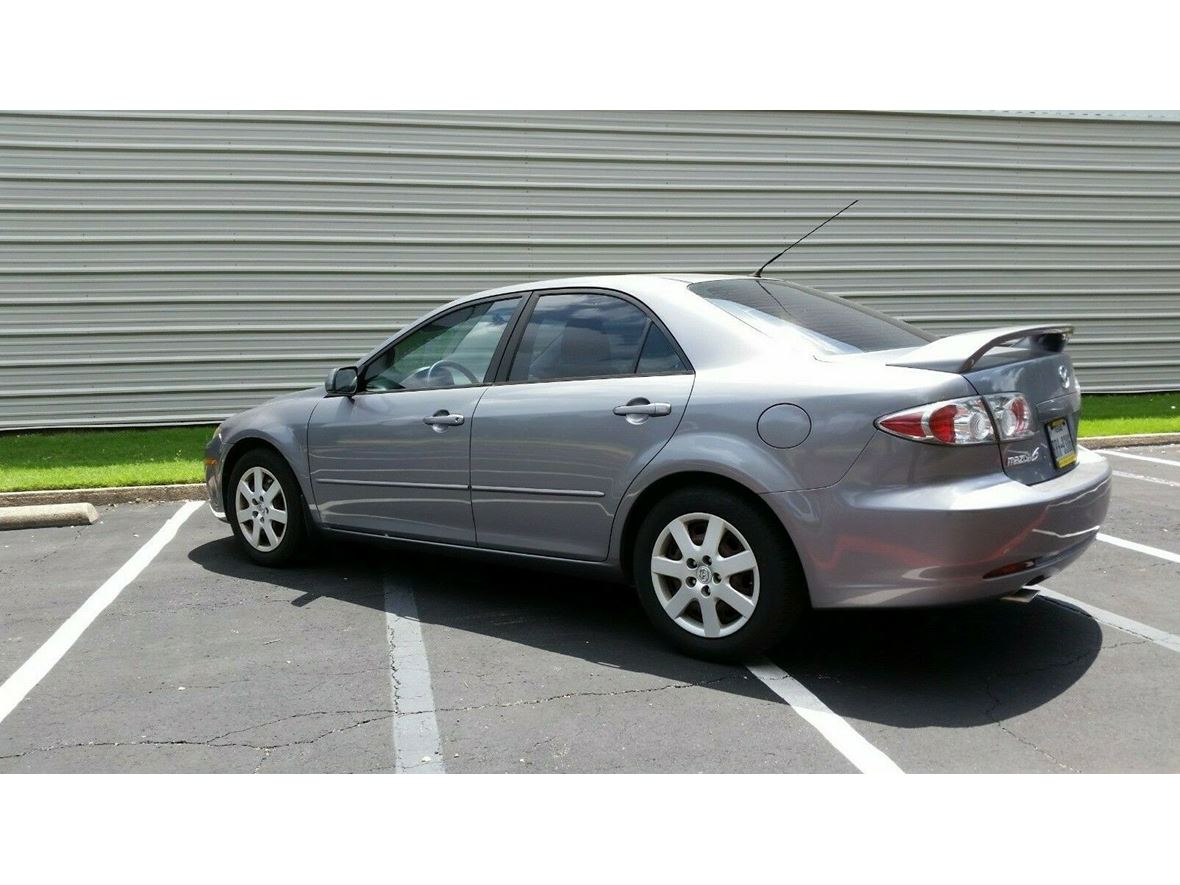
column 291, row 545
column 782, row 595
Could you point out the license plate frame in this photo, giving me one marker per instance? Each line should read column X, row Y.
column 1061, row 443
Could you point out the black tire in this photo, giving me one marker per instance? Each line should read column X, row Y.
column 291, row 543
column 779, row 587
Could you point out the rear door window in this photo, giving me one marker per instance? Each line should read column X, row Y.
column 590, row 335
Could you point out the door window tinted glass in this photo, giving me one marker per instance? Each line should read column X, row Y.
column 658, row 354
column 824, row 322
column 580, row 335
column 453, row 350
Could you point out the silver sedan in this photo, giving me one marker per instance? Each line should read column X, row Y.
column 739, row 448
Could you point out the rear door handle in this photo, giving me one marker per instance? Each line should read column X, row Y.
column 443, row 418
column 643, row 407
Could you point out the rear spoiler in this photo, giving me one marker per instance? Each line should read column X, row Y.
column 959, row 353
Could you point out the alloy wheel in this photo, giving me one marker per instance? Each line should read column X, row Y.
column 261, row 509
column 705, row 575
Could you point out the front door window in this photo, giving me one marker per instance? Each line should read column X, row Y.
column 453, row 350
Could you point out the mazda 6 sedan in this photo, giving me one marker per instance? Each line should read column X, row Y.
column 741, row 449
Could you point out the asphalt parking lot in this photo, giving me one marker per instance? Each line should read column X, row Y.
column 379, row 661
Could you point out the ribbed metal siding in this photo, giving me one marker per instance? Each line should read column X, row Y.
column 164, row 267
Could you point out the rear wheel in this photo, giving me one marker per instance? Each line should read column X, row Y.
column 716, row 575
column 266, row 508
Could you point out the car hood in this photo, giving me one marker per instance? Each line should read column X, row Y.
column 308, row 393
column 291, row 408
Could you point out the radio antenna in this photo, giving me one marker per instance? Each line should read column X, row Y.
column 758, row 272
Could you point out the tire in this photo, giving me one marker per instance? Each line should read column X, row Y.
column 252, row 507
column 752, row 609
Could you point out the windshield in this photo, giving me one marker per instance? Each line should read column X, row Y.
column 826, row 323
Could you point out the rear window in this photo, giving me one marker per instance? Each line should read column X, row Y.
column 825, row 322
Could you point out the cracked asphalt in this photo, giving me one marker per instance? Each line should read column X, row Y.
column 208, row 663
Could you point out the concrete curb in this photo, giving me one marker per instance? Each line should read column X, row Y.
column 195, row 491
column 47, row 516
column 1135, row 439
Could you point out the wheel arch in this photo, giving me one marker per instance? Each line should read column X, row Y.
column 238, row 450
column 671, row 482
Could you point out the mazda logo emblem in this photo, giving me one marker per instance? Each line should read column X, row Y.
column 1064, row 373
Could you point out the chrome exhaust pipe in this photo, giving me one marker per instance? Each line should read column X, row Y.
column 1023, row 595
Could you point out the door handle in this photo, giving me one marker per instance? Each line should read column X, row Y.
column 443, row 418
column 643, row 407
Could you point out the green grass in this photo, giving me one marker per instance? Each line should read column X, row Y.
column 1111, row 414
column 92, row 458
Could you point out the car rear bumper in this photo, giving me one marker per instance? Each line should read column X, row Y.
column 935, row 539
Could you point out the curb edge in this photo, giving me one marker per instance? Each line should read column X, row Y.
column 109, row 495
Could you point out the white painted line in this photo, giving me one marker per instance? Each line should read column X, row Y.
column 1140, row 548
column 417, row 747
column 846, row 739
column 1138, row 457
column 1154, row 479
column 24, row 680
column 1102, row 616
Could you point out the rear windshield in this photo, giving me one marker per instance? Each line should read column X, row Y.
column 828, row 323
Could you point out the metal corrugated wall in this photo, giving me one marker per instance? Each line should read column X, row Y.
column 173, row 267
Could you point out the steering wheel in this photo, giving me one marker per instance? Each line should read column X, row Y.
column 450, row 364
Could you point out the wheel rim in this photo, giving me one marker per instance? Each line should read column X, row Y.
column 705, row 575
column 261, row 509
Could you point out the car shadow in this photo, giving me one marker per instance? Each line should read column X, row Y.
column 954, row 667
column 959, row 667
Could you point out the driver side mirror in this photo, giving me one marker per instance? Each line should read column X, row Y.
column 342, row 381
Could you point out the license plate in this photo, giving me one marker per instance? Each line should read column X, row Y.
column 1061, row 442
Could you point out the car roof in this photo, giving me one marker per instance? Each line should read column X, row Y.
column 635, row 283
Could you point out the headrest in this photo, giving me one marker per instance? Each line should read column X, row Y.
column 584, row 346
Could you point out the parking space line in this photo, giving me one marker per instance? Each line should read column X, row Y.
column 417, row 747
column 835, row 729
column 1102, row 616
column 32, row 671
column 1138, row 457
column 1140, row 548
column 1154, row 479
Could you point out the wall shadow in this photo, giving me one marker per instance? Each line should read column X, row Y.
column 957, row 667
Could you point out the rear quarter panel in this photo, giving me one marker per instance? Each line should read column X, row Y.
column 719, row 432
column 720, row 425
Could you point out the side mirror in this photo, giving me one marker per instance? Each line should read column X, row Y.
column 342, row 381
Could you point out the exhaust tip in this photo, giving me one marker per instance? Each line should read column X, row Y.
column 1023, row 595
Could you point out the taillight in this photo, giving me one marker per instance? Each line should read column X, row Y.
column 963, row 422
column 1013, row 414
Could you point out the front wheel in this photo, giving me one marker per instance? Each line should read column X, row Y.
column 717, row 576
column 266, row 508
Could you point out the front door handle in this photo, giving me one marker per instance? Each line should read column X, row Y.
column 443, row 418
column 643, row 408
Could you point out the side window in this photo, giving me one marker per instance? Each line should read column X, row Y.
column 453, row 350
column 584, row 335
column 659, row 355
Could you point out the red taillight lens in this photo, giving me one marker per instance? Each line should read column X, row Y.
column 942, row 423
column 907, row 424
column 961, row 422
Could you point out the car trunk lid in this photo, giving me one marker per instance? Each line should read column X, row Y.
column 1030, row 360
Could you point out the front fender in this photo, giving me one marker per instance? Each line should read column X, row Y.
column 280, row 423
